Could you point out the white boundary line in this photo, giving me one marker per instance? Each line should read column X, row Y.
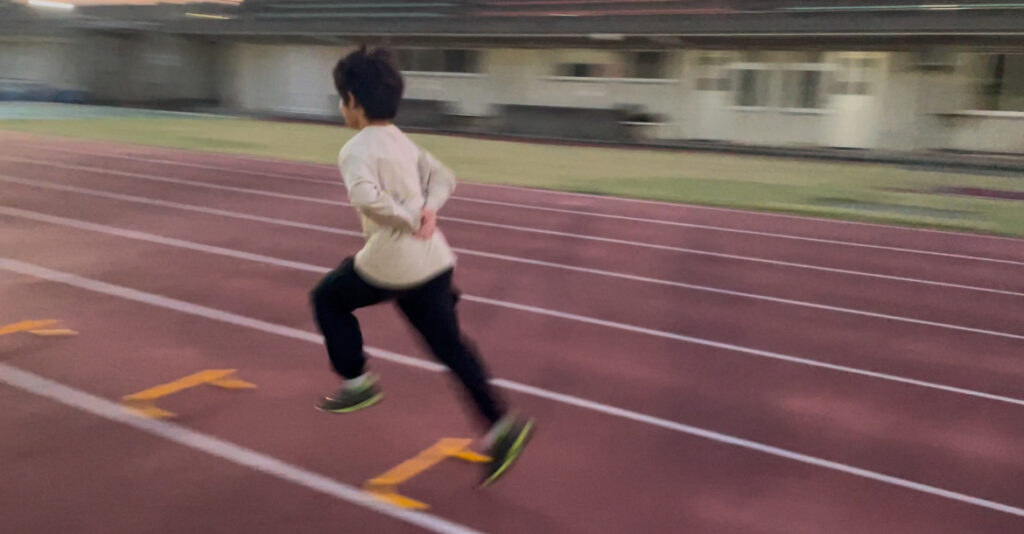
column 773, row 235
column 83, row 152
column 534, row 190
column 755, row 446
column 338, row 231
column 179, row 181
column 219, row 448
column 265, row 174
column 753, row 213
column 269, row 260
column 707, row 227
column 230, row 318
column 534, row 230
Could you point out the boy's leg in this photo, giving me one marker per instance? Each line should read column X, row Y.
column 430, row 308
column 334, row 299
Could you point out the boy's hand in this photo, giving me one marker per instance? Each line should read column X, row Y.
column 428, row 224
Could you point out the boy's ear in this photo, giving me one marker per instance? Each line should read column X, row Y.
column 352, row 103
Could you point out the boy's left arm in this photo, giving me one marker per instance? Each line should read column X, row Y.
column 365, row 194
column 437, row 181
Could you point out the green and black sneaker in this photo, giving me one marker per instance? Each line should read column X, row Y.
column 508, row 444
column 350, row 398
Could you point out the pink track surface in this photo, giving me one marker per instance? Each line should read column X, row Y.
column 915, row 371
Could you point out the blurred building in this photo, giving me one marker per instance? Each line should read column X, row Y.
column 846, row 73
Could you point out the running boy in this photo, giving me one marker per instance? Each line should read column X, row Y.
column 397, row 189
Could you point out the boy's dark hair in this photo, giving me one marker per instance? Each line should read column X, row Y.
column 370, row 76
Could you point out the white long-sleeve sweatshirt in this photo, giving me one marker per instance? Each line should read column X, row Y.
column 390, row 180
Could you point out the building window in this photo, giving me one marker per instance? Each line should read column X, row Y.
column 584, row 70
column 636, row 65
column 753, row 87
column 647, row 65
column 461, row 61
column 801, row 89
column 1001, row 83
column 438, row 60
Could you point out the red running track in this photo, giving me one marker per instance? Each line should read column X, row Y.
column 693, row 369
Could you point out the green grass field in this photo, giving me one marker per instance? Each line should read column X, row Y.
column 868, row 192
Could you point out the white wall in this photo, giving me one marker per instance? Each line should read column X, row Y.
column 154, row 67
column 1013, row 84
column 163, row 67
column 469, row 93
column 663, row 96
column 717, row 115
column 529, row 77
column 899, row 123
column 776, row 127
column 283, row 78
column 511, row 74
column 987, row 132
column 47, row 60
column 297, row 79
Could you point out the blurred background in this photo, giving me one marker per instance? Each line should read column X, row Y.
column 933, row 85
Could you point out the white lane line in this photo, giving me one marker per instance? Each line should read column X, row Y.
column 740, row 258
column 273, row 194
column 548, row 232
column 708, row 227
column 296, row 265
column 193, row 183
column 219, row 448
column 587, row 213
column 773, row 235
column 153, row 238
column 753, row 213
column 522, row 188
column 179, row 163
column 319, row 269
column 679, row 205
column 175, row 205
column 755, row 446
column 502, row 257
column 285, row 331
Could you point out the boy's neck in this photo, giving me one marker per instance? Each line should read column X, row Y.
column 367, row 124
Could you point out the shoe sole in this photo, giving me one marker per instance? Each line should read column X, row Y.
column 513, row 454
column 365, row 404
